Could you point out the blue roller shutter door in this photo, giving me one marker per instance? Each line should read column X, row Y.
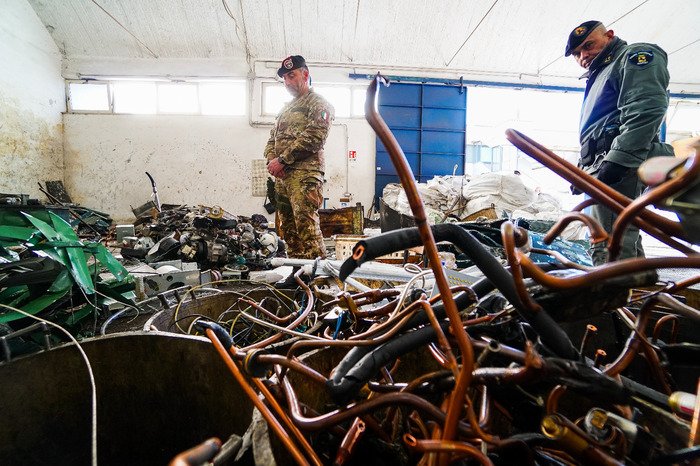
column 429, row 122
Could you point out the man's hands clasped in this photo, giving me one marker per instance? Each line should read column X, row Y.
column 276, row 168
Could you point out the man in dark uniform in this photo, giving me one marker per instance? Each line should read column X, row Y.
column 624, row 105
column 295, row 158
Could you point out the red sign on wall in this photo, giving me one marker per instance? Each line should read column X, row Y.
column 352, row 154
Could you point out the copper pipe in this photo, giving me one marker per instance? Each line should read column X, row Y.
column 655, row 367
column 596, row 231
column 258, row 307
column 430, row 250
column 301, row 318
column 290, row 363
column 663, row 191
column 678, row 307
column 625, row 358
column 599, row 357
column 591, row 330
column 508, row 237
column 553, row 399
column 441, row 338
column 660, row 324
column 561, row 258
column 324, row 421
column 269, row 397
column 195, row 456
column 458, row 449
column 598, row 190
column 348, row 443
column 583, row 204
column 659, row 227
column 671, row 287
column 610, row 270
column 257, row 402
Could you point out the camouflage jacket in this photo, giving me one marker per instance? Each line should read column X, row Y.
column 625, row 103
column 300, row 132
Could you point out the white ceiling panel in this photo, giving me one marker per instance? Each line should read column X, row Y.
column 508, row 38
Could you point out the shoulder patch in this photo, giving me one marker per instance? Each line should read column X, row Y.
column 641, row 58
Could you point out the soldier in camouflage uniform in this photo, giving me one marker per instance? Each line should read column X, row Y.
column 294, row 156
column 624, row 104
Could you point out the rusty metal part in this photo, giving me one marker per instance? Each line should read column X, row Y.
column 257, row 402
column 656, row 225
column 430, row 251
column 595, row 230
column 195, row 456
column 663, row 191
column 457, row 449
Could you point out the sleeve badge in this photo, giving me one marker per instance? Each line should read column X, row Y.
column 641, row 58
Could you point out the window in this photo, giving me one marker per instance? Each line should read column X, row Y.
column 177, row 98
column 222, row 98
column 132, row 96
column 135, row 97
column 339, row 97
column 89, row 97
column 274, row 98
column 348, row 101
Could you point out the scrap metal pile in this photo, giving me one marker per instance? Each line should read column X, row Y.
column 206, row 235
column 534, row 364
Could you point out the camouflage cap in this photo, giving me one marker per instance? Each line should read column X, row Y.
column 579, row 34
column 291, row 63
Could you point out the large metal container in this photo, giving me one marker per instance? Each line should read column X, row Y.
column 157, row 395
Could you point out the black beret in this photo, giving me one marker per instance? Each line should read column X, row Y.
column 291, row 63
column 579, row 34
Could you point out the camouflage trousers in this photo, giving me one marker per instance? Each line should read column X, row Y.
column 299, row 196
column 631, row 187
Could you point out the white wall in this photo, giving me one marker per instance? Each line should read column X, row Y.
column 31, row 101
column 194, row 159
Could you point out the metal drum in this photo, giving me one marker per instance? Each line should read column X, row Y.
column 157, row 395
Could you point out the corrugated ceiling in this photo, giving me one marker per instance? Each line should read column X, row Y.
column 498, row 37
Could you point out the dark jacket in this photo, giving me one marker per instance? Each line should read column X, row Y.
column 624, row 104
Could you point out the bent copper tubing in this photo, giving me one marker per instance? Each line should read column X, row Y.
column 348, row 443
column 257, row 402
column 553, row 399
column 649, row 221
column 678, row 307
column 458, row 449
column 258, row 307
column 324, row 421
column 301, row 318
column 270, row 398
column 671, row 287
column 632, row 344
column 583, row 204
column 430, row 250
column 202, row 453
column 660, row 324
column 609, row 270
column 508, row 238
column 663, row 191
column 595, row 230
